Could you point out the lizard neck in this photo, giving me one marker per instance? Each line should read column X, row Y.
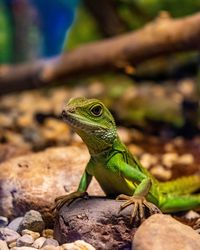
column 101, row 149
column 99, row 143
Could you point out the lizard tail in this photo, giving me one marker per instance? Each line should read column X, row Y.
column 181, row 186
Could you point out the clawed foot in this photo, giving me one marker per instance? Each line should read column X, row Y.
column 197, row 226
column 67, row 199
column 140, row 203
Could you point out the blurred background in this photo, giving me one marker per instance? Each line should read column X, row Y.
column 140, row 57
column 32, row 28
column 154, row 103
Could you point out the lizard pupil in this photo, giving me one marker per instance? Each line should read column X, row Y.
column 97, row 110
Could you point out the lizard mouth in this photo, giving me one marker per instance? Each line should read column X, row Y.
column 78, row 122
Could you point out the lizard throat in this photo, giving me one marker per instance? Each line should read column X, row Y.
column 95, row 137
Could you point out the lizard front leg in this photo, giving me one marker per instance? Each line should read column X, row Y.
column 81, row 192
column 134, row 175
column 139, row 201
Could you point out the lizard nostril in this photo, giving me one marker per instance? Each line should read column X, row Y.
column 63, row 113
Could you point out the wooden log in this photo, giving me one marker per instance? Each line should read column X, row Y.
column 160, row 37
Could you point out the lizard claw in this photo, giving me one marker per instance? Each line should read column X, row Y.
column 197, row 226
column 140, row 203
column 67, row 199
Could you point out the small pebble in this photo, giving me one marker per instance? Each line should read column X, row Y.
column 51, row 242
column 23, row 248
column 77, row 245
column 8, row 235
column 124, row 135
column 169, row 159
column 12, row 244
column 14, row 224
column 54, row 129
column 35, row 235
column 47, row 233
column 179, row 141
column 3, row 245
column 76, row 139
column 148, row 160
column 169, row 147
column 186, row 87
column 161, row 173
column 50, row 247
column 186, row 159
column 3, row 221
column 32, row 221
column 25, row 241
column 192, row 215
column 39, row 242
column 135, row 149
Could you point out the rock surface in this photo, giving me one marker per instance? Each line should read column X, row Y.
column 97, row 221
column 23, row 248
column 51, row 242
column 50, row 247
column 9, row 150
column 14, row 224
column 3, row 221
column 162, row 232
column 8, row 235
column 77, row 245
column 32, row 221
column 25, row 240
column 35, row 235
column 35, row 180
column 39, row 242
column 3, row 245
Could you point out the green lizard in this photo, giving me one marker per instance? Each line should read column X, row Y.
column 118, row 172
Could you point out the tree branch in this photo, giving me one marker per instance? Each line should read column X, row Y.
column 160, row 37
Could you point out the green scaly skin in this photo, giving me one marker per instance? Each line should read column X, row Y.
column 118, row 172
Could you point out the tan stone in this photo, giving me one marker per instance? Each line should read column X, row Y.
column 161, row 173
column 186, row 159
column 77, row 245
column 35, row 180
column 22, row 248
column 169, row 159
column 47, row 233
column 162, row 232
column 39, row 242
column 148, row 160
column 3, row 245
column 35, row 235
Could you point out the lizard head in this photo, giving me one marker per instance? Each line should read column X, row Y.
column 92, row 121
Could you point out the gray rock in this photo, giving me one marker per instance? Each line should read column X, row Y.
column 162, row 232
column 51, row 242
column 32, row 221
column 96, row 221
column 3, row 245
column 25, row 241
column 8, row 235
column 39, row 242
column 14, row 224
column 3, row 221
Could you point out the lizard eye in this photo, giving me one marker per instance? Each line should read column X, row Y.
column 96, row 110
